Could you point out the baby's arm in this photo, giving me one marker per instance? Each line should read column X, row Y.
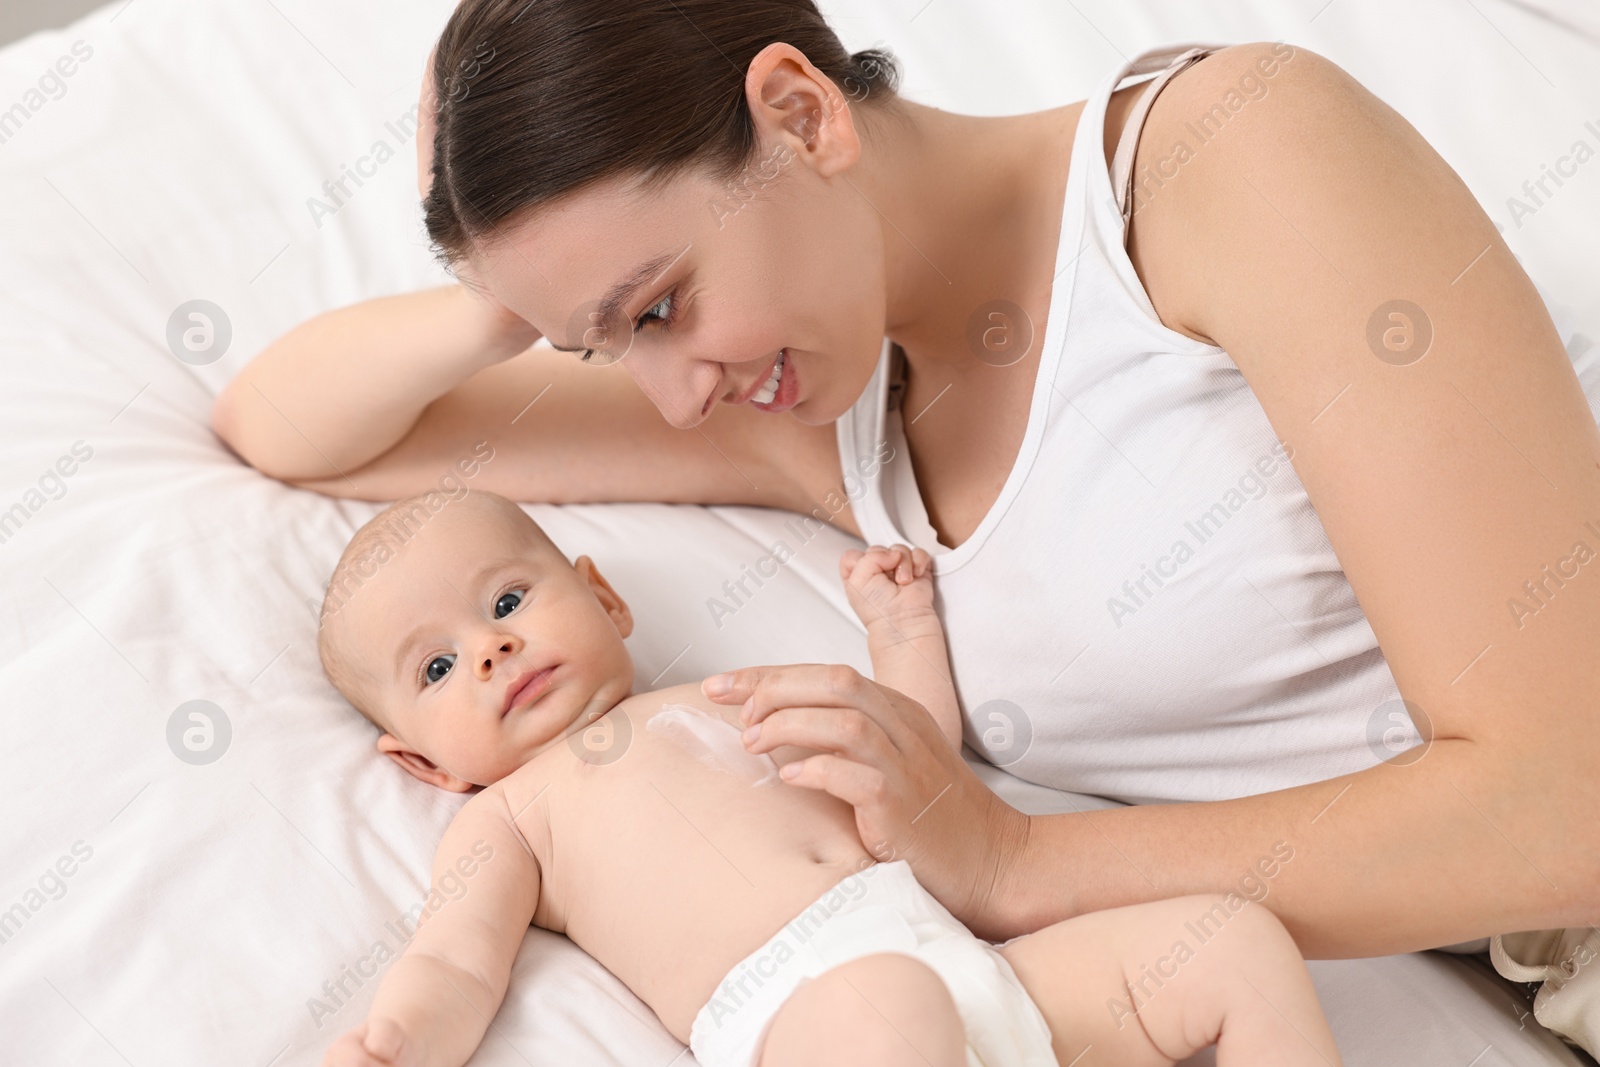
column 891, row 590
column 437, row 999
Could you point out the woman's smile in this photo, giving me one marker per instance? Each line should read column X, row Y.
column 779, row 391
column 775, row 391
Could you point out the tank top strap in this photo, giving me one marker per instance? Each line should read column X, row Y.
column 1169, row 60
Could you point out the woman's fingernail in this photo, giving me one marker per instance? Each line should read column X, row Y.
column 717, row 685
column 790, row 770
column 753, row 734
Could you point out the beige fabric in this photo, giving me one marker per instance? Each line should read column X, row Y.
column 1174, row 59
column 1565, row 961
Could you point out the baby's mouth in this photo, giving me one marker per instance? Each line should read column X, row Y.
column 527, row 688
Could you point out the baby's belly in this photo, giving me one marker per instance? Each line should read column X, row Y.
column 673, row 861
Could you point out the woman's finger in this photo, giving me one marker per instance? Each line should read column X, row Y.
column 854, row 783
column 766, row 689
column 829, row 684
column 845, row 731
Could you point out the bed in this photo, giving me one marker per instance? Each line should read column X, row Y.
column 225, row 888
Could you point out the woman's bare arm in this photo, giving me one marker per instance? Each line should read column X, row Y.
column 1444, row 483
column 341, row 389
column 562, row 431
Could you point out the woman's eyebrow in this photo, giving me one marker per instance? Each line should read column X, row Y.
column 618, row 296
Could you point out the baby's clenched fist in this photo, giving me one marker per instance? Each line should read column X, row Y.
column 886, row 584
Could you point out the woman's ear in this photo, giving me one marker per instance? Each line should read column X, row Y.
column 609, row 599
column 419, row 766
column 794, row 104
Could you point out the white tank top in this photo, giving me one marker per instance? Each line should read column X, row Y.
column 1151, row 610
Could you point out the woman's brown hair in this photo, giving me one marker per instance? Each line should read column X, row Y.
column 537, row 98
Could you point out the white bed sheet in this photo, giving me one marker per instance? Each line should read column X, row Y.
column 208, row 905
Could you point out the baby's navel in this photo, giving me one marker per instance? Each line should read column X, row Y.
column 713, row 741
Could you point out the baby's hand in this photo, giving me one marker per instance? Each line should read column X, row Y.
column 375, row 1043
column 888, row 585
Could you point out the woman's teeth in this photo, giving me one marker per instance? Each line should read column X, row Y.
column 770, row 389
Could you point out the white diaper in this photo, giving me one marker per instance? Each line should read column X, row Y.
column 882, row 908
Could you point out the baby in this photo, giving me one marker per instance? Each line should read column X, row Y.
column 745, row 911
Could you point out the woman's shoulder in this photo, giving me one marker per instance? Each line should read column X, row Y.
column 1231, row 139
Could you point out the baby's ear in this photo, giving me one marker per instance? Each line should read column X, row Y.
column 419, row 766
column 609, row 598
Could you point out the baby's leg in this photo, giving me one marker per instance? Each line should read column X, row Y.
column 1151, row 984
column 883, row 1010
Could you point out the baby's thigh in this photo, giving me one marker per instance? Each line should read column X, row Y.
column 883, row 1010
column 1138, row 985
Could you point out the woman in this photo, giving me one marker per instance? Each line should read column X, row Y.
column 1217, row 459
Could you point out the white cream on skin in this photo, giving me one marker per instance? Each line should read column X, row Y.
column 713, row 741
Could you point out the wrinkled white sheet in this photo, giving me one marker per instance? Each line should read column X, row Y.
column 155, row 911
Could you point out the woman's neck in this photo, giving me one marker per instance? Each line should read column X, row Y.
column 970, row 208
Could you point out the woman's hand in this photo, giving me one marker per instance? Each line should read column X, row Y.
column 915, row 798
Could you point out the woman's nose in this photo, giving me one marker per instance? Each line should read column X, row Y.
column 679, row 390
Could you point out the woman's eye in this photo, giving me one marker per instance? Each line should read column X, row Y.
column 660, row 313
column 663, row 316
column 438, row 667
column 507, row 603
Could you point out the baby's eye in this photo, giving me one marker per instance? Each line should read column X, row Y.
column 507, row 603
column 439, row 666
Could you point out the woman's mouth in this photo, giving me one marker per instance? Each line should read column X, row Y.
column 781, row 390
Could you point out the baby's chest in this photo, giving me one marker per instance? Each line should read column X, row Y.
column 656, row 797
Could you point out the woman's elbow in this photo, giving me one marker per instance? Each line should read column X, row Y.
column 237, row 424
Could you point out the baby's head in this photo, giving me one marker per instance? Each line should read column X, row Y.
column 465, row 635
